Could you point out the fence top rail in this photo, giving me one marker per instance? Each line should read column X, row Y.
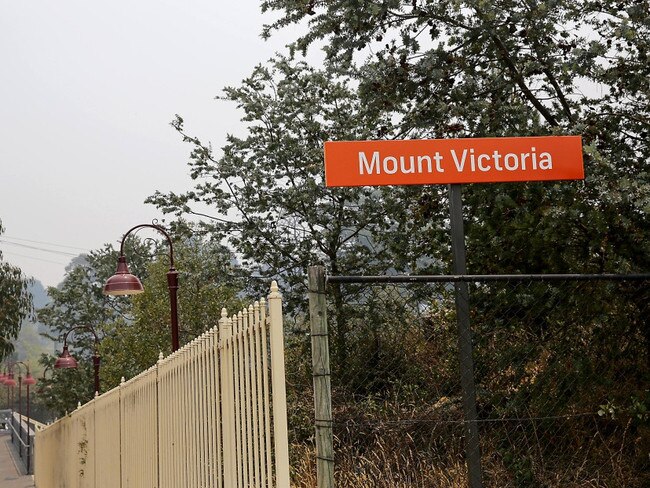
column 37, row 425
column 485, row 278
column 140, row 376
column 18, row 434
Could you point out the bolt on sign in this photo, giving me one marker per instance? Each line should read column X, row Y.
column 453, row 161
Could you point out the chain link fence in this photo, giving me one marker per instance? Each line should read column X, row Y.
column 561, row 377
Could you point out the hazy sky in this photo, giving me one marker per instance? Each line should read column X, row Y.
column 87, row 91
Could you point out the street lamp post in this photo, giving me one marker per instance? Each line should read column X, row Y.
column 8, row 380
column 28, row 381
column 4, row 376
column 65, row 360
column 43, row 378
column 124, row 283
column 10, row 383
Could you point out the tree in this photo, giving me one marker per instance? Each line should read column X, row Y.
column 446, row 68
column 79, row 301
column 61, row 390
column 133, row 330
column 441, row 69
column 270, row 184
column 208, row 282
column 15, row 303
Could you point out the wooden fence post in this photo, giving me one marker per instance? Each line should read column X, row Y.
column 321, row 374
column 278, row 387
column 227, row 399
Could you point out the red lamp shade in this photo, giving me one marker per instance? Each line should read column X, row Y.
column 65, row 360
column 123, row 282
column 10, row 381
column 29, row 379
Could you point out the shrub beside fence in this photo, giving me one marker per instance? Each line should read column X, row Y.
column 212, row 414
column 561, row 371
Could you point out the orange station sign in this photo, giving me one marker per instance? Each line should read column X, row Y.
column 450, row 161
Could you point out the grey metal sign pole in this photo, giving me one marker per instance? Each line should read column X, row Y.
column 461, row 294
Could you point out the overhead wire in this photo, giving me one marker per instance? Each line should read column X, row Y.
column 43, row 242
column 26, row 246
column 35, row 258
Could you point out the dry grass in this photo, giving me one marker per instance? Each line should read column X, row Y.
column 395, row 460
column 382, row 468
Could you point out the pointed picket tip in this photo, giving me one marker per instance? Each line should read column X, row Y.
column 275, row 291
column 224, row 321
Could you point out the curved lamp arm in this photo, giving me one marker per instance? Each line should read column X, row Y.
column 77, row 327
column 29, row 379
column 20, row 363
column 42, row 379
column 67, row 361
column 124, row 283
column 159, row 229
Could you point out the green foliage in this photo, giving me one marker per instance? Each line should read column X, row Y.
column 15, row 304
column 472, row 68
column 271, row 180
column 424, row 69
column 208, row 282
column 271, row 183
column 443, row 69
column 133, row 330
column 79, row 300
column 61, row 390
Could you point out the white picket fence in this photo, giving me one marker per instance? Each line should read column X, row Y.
column 213, row 414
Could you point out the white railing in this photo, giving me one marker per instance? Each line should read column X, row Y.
column 22, row 436
column 213, row 414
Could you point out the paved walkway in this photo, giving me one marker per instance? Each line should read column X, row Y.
column 9, row 475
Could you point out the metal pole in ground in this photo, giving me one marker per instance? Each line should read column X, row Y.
column 321, row 373
column 461, row 294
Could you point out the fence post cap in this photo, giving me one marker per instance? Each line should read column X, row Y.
column 275, row 290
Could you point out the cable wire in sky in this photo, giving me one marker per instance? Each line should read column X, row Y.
column 32, row 257
column 43, row 242
column 62, row 253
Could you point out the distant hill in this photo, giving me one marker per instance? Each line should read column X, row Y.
column 39, row 294
column 30, row 343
